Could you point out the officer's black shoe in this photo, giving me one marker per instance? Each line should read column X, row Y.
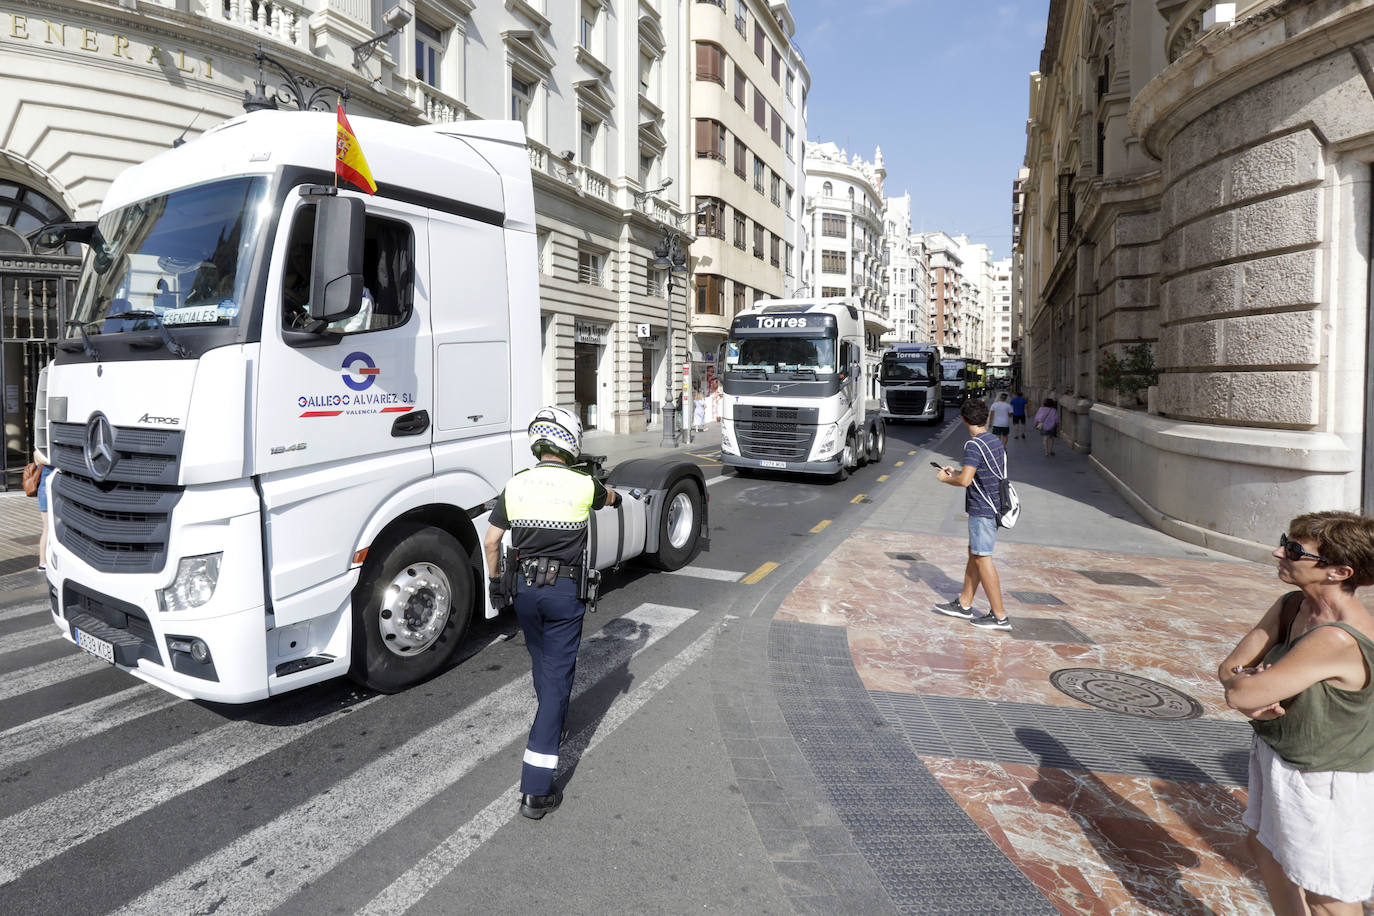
column 536, row 806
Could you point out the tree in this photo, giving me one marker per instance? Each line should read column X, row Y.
column 1131, row 375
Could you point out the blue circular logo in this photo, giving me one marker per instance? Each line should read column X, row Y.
column 369, row 371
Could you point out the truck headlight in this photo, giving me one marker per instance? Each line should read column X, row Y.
column 727, row 441
column 194, row 584
column 825, row 439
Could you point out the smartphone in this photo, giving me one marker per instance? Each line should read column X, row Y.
column 937, row 465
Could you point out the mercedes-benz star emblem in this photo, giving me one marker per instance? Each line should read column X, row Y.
column 101, row 456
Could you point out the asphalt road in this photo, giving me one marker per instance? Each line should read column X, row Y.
column 115, row 797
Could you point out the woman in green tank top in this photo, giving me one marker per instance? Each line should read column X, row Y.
column 1303, row 677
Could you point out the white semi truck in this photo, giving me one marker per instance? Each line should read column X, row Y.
column 794, row 397
column 910, row 378
column 284, row 410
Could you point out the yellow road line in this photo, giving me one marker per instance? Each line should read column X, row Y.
column 757, row 575
column 821, row 527
column 882, row 478
column 899, row 464
column 704, row 457
column 911, row 453
column 860, row 498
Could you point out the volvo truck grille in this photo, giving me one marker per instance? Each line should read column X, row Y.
column 120, row 524
column 776, row 433
column 904, row 400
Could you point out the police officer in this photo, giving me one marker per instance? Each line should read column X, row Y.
column 546, row 508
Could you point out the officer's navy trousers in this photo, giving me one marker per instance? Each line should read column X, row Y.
column 552, row 620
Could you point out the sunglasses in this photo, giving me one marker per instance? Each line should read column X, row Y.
column 1293, row 550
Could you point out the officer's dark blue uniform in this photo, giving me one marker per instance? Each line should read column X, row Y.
column 546, row 509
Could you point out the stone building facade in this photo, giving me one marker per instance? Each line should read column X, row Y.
column 908, row 274
column 1230, row 226
column 844, row 215
column 89, row 87
column 948, row 289
column 747, row 107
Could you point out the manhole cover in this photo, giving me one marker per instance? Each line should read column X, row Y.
column 1120, row 692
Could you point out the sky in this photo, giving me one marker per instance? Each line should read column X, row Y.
column 942, row 86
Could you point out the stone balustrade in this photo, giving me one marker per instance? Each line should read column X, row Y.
column 278, row 20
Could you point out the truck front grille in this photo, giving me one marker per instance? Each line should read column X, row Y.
column 905, row 400
column 776, row 433
column 123, row 523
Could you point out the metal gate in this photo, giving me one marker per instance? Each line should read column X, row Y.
column 33, row 308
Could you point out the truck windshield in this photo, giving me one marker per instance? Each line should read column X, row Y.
column 781, row 355
column 899, row 369
column 952, row 373
column 183, row 256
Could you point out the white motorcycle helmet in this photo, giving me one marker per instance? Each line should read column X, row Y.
column 557, row 430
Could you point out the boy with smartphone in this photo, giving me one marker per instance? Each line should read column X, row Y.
column 982, row 453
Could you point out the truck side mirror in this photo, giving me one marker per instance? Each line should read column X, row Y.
column 336, row 280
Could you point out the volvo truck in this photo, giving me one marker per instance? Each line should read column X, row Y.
column 284, row 410
column 910, row 378
column 794, row 390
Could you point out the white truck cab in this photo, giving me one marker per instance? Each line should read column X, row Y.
column 283, row 409
column 793, row 384
column 909, row 374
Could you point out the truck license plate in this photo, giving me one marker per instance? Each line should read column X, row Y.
column 774, row 464
column 97, row 647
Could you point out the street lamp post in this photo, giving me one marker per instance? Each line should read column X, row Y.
column 668, row 254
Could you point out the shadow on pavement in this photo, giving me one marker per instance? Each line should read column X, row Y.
column 1146, row 857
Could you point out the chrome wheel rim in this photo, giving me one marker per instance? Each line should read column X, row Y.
column 415, row 609
column 680, row 521
column 847, row 456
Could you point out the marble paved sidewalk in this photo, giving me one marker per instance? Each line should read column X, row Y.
column 965, row 779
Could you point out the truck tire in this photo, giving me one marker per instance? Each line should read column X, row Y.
column 876, row 443
column 679, row 526
column 411, row 608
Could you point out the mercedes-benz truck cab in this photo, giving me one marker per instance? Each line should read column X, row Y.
column 283, row 410
column 910, row 378
column 794, row 390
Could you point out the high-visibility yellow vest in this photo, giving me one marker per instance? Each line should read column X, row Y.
column 549, row 496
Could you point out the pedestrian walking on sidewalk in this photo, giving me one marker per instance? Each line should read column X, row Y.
column 1047, row 421
column 999, row 415
column 1302, row 675
column 982, row 453
column 1018, row 416
column 546, row 508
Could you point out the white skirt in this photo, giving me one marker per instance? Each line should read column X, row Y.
column 1318, row 826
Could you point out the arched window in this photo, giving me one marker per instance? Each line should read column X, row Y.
column 851, row 195
column 22, row 210
column 828, row 189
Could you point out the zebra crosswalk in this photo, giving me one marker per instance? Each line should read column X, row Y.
column 260, row 869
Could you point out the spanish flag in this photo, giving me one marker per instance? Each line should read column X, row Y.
column 349, row 163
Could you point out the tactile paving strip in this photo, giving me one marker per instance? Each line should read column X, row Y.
column 1197, row 750
column 929, row 855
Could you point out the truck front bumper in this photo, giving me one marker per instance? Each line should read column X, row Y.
column 829, row 466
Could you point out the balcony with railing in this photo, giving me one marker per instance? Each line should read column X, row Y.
column 277, row 20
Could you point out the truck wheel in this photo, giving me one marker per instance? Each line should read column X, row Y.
column 410, row 608
column 877, row 442
column 679, row 526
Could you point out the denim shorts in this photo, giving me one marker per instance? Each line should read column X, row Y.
column 982, row 535
column 43, row 488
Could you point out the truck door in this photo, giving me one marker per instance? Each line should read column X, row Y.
column 472, row 353
column 343, row 421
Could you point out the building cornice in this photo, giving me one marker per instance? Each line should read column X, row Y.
column 1255, row 50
